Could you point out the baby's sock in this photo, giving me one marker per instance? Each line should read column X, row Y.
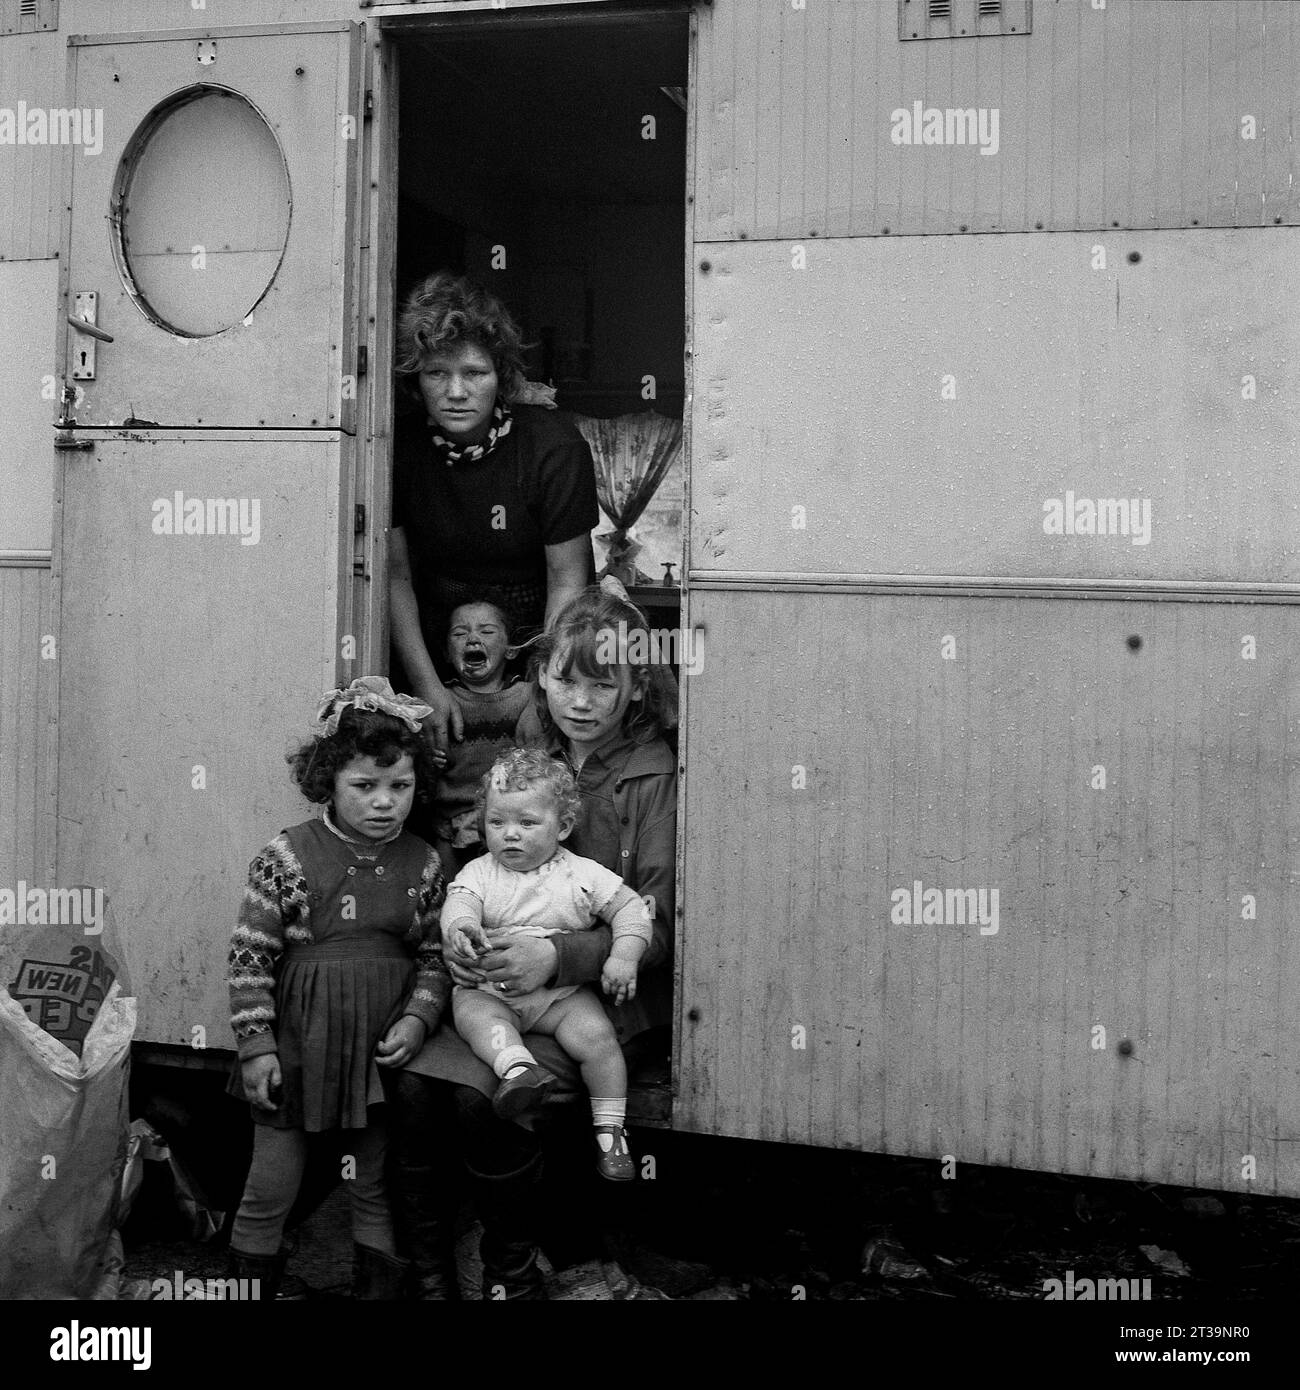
column 512, row 1059
column 608, row 1110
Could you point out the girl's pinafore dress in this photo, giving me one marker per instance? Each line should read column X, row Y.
column 339, row 993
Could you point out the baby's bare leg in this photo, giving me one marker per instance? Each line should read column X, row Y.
column 583, row 1030
column 488, row 1025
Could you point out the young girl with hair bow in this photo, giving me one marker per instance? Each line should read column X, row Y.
column 335, row 966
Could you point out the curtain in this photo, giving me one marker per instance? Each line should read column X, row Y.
column 632, row 453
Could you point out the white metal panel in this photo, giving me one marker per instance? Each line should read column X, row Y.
column 28, row 294
column 1128, row 115
column 285, row 364
column 825, row 441
column 837, row 756
column 180, row 653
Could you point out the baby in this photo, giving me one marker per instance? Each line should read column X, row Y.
column 478, row 646
column 529, row 884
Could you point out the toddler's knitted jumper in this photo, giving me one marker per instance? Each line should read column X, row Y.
column 490, row 720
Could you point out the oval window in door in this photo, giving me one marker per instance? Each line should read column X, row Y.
column 200, row 213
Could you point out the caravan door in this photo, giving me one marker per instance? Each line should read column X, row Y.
column 203, row 518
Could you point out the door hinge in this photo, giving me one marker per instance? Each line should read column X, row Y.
column 359, row 519
column 363, row 361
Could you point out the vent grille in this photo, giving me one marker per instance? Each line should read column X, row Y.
column 28, row 16
column 964, row 19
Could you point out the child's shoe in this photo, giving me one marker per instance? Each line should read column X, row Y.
column 615, row 1163
column 522, row 1091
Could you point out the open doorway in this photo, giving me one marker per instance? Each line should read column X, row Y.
column 545, row 157
column 547, row 161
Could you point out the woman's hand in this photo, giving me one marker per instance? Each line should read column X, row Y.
column 261, row 1077
column 402, row 1041
column 446, row 719
column 524, row 964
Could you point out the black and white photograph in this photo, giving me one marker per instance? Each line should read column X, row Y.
column 643, row 658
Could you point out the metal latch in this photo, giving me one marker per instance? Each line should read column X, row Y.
column 64, row 439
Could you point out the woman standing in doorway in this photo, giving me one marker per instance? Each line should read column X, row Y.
column 487, row 495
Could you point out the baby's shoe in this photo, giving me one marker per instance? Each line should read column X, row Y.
column 522, row 1091
column 615, row 1163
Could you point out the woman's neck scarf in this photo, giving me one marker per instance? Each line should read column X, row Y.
column 450, row 453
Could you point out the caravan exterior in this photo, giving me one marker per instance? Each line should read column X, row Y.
column 987, row 351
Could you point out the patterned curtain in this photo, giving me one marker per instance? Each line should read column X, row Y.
column 632, row 453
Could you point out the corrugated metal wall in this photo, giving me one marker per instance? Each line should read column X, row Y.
column 33, row 69
column 1130, row 116
column 872, row 762
column 25, row 841
column 869, row 406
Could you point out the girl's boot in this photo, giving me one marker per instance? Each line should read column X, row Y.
column 420, row 1179
column 274, row 1285
column 377, row 1277
column 428, row 1231
column 507, row 1204
column 268, row 1270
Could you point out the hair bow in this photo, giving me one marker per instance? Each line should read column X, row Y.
column 372, row 694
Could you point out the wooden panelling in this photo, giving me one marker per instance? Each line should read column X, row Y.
column 25, row 684
column 910, row 406
column 1119, row 907
column 1130, row 115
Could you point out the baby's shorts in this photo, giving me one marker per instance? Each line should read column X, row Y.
column 527, row 1007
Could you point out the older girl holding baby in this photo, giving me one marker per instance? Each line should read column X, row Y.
column 604, row 717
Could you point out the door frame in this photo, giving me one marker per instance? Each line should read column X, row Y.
column 386, row 25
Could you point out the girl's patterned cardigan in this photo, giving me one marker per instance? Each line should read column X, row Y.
column 276, row 911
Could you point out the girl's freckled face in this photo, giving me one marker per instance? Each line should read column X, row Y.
column 371, row 801
column 587, row 710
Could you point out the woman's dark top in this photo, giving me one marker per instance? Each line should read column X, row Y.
column 480, row 527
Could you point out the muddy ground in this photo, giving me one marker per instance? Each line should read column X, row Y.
column 735, row 1220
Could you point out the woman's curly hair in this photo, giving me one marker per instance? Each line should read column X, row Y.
column 589, row 628
column 360, row 734
column 523, row 769
column 445, row 311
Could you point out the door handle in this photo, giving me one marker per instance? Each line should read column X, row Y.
column 93, row 329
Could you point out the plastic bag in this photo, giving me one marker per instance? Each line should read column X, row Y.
column 63, row 1142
